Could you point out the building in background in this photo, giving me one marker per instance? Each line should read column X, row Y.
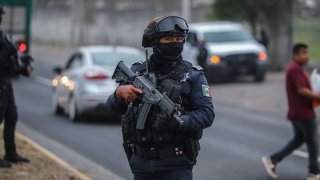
column 80, row 22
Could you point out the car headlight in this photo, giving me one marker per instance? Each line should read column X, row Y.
column 54, row 82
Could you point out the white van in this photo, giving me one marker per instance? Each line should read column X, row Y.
column 232, row 51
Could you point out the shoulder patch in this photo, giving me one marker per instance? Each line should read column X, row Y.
column 137, row 63
column 199, row 68
column 206, row 90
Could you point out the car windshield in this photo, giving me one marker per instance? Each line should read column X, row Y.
column 112, row 58
column 226, row 36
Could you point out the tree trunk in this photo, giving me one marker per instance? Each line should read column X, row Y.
column 280, row 32
column 253, row 24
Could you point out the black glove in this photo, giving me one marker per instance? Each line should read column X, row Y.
column 164, row 123
column 26, row 68
column 26, row 59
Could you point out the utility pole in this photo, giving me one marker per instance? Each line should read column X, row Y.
column 186, row 10
column 74, row 23
column 81, row 22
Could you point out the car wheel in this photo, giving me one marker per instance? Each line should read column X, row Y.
column 73, row 113
column 57, row 109
column 260, row 76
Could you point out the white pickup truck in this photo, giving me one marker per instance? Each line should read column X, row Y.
column 231, row 51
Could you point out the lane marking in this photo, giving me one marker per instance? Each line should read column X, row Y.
column 42, row 80
column 303, row 154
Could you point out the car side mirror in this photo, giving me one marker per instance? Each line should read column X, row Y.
column 57, row 70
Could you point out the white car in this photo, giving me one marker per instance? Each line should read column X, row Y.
column 232, row 51
column 85, row 83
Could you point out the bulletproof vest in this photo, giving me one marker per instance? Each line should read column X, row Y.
column 169, row 83
column 10, row 66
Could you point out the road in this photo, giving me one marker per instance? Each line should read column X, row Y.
column 230, row 150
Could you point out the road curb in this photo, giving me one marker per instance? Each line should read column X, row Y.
column 54, row 157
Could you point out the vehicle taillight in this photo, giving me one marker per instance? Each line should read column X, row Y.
column 262, row 56
column 22, row 46
column 215, row 59
column 94, row 74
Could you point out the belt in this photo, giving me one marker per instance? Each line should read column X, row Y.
column 155, row 153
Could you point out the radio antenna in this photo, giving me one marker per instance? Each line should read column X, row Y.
column 147, row 66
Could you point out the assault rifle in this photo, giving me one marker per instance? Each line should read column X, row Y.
column 150, row 96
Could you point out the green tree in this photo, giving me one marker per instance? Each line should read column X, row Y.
column 236, row 10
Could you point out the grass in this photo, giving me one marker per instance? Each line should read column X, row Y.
column 41, row 167
column 308, row 31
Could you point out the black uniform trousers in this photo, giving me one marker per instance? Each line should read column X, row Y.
column 8, row 114
column 174, row 168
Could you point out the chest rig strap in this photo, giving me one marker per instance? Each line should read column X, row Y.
column 176, row 73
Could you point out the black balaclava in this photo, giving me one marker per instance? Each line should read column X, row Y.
column 165, row 54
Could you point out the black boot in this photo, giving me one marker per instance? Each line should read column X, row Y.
column 15, row 158
column 5, row 164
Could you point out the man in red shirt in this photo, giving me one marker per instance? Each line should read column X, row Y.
column 301, row 115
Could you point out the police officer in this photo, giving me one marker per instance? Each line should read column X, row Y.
column 9, row 66
column 165, row 149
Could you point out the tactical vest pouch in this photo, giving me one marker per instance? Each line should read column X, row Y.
column 192, row 147
column 197, row 135
column 128, row 150
column 128, row 124
column 171, row 88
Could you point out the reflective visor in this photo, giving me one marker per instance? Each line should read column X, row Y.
column 170, row 23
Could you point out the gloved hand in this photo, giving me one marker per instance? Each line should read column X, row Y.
column 164, row 123
column 26, row 71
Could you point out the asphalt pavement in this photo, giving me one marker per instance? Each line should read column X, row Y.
column 230, row 150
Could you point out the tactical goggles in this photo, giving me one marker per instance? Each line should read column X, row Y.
column 170, row 23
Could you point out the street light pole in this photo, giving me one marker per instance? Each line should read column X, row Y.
column 186, row 10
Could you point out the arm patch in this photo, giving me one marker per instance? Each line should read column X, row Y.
column 199, row 68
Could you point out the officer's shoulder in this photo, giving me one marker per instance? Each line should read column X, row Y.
column 197, row 68
column 137, row 63
column 191, row 66
column 195, row 72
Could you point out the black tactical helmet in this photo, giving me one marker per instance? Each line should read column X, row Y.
column 1, row 11
column 164, row 26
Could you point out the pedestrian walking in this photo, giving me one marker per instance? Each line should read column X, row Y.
column 300, row 114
